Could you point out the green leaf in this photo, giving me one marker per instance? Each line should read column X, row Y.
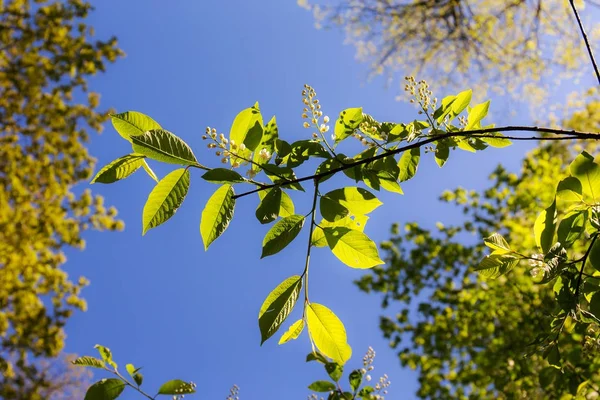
column 544, row 227
column 444, row 109
column 270, row 135
column 352, row 247
column 247, row 128
column 302, row 150
column 357, row 201
column 595, row 305
column 88, row 361
column 347, row 123
column 316, row 356
column 281, row 175
column 277, row 306
column 331, row 209
column 106, row 355
column 176, row 386
column 476, row 114
column 497, row 243
column 355, row 379
column 133, row 372
column 408, row 164
column 149, row 171
column 365, row 392
column 588, row 172
column 594, row 257
column 217, row 214
column 326, row 166
column 119, row 169
column 570, row 190
column 357, row 222
column 498, row 140
column 571, row 227
column 165, row 199
column 334, row 370
column 328, row 333
column 164, row 146
column 282, row 234
column 286, row 207
column 461, row 102
column 222, row 175
column 268, row 209
column 441, row 154
column 293, row 332
column 321, row 386
column 496, row 265
column 133, row 123
column 105, row 389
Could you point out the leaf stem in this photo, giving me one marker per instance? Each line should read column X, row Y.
column 583, row 261
column 585, row 39
column 310, row 234
column 126, row 382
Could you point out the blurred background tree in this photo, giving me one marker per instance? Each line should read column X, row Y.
column 46, row 112
column 517, row 47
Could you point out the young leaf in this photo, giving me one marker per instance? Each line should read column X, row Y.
column 544, row 227
column 133, row 372
column 282, row 234
column 321, row 386
column 88, row 361
column 277, row 306
column 133, row 123
column 165, row 199
column 247, row 128
column 496, row 265
column 316, row 356
column 106, row 355
column 347, row 123
column 222, row 175
column 352, row 247
column 355, row 379
column 357, row 201
column 217, row 214
column 476, row 114
column 105, row 389
column 461, row 101
column 444, row 109
column 119, row 169
column 334, row 370
column 497, row 243
column 177, row 386
column 498, row 141
column 328, row 333
column 588, row 172
column 268, row 209
column 286, row 207
column 164, row 146
column 270, row 135
column 408, row 164
column 293, row 332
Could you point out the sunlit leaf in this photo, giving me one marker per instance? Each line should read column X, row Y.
column 322, row 386
column 571, row 227
column 105, row 389
column 217, row 214
column 163, row 146
column 347, row 123
column 497, row 243
column 496, row 265
column 247, row 128
column 222, row 175
column 476, row 114
column 282, row 234
column 106, row 355
column 328, row 333
column 544, row 227
column 165, row 199
column 277, row 306
column 88, row 361
column 408, row 163
column 588, row 172
column 176, row 386
column 133, row 123
column 119, row 169
column 293, row 332
column 352, row 247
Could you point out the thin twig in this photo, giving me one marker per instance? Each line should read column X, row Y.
column 583, row 261
column 585, row 39
column 480, row 133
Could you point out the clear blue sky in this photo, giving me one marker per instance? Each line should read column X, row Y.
column 163, row 303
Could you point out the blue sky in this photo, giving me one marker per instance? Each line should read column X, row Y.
column 162, row 302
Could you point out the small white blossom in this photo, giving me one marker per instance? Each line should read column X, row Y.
column 326, row 119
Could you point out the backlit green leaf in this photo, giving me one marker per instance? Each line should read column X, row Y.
column 352, row 247
column 293, row 332
column 571, row 227
column 357, row 222
column 149, row 171
column 328, row 333
column 165, row 199
column 176, row 386
column 357, row 201
column 476, row 114
column 217, row 214
column 105, row 389
column 461, row 101
column 268, row 209
column 569, row 190
column 544, row 227
column 286, row 206
column 106, row 355
column 133, row 123
column 347, row 123
column 88, row 361
column 334, row 370
column 355, row 379
column 588, row 172
column 282, row 234
column 222, row 175
column 164, row 146
column 497, row 243
column 119, row 169
column 277, row 306
column 495, row 265
column 321, row 386
column 247, row 128
column 408, row 163
column 281, row 175
column 270, row 135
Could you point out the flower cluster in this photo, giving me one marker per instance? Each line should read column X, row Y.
column 185, row 388
column 381, row 387
column 536, row 261
column 220, row 143
column 368, row 363
column 312, row 113
column 234, row 393
column 421, row 94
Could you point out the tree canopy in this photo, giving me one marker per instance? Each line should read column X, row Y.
column 46, row 114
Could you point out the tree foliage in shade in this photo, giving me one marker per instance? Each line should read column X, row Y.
column 512, row 47
column 467, row 335
column 46, row 113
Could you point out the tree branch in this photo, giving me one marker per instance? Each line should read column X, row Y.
column 479, row 133
column 585, row 39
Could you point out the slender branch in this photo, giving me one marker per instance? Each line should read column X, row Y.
column 480, row 133
column 126, row 382
column 583, row 261
column 310, row 234
column 585, row 39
